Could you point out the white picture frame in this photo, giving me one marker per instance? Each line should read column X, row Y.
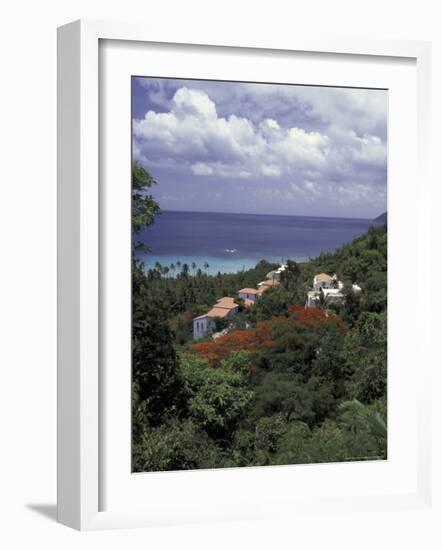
column 79, row 275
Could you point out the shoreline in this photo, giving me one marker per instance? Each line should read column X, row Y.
column 223, row 266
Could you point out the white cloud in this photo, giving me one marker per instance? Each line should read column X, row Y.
column 271, row 123
column 193, row 133
column 201, row 169
column 311, row 187
column 193, row 103
column 369, row 150
column 321, row 146
column 303, row 148
column 270, row 170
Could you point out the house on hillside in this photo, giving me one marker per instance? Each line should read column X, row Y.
column 248, row 294
column 252, row 295
column 313, row 299
column 269, row 283
column 203, row 325
column 263, row 286
column 322, row 280
column 275, row 274
column 332, row 296
column 327, row 291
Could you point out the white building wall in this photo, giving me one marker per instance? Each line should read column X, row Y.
column 312, row 299
column 246, row 296
column 202, row 327
column 317, row 285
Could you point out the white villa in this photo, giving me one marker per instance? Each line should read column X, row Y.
column 252, row 295
column 248, row 295
column 275, row 275
column 322, row 280
column 326, row 290
column 329, row 289
column 205, row 324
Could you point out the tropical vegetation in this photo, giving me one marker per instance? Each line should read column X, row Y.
column 283, row 385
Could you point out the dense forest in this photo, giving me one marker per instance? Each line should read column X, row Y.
column 284, row 385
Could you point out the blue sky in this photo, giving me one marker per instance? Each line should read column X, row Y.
column 218, row 146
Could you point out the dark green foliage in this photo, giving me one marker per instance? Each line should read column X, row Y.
column 290, row 279
column 157, row 392
column 154, row 360
column 273, row 302
column 174, row 446
column 366, row 352
column 144, row 207
column 217, row 398
column 314, row 392
column 185, row 296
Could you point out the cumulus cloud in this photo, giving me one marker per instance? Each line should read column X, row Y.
column 313, row 143
column 270, row 170
column 193, row 133
column 202, row 169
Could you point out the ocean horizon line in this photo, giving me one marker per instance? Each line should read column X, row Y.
column 267, row 214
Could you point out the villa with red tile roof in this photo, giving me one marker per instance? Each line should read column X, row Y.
column 203, row 325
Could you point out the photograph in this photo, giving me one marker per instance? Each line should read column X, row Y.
column 259, row 274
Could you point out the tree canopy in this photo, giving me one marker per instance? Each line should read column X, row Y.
column 284, row 385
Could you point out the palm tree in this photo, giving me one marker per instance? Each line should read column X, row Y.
column 206, row 267
column 158, row 266
column 193, row 265
column 172, row 268
column 185, row 270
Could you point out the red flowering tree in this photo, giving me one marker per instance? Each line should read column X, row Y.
column 280, row 331
column 248, row 340
column 315, row 318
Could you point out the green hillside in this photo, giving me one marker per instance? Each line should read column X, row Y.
column 285, row 385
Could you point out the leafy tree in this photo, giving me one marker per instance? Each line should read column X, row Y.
column 144, row 206
column 238, row 361
column 330, row 361
column 292, row 447
column 327, row 443
column 290, row 280
column 154, row 360
column 156, row 382
column 268, row 433
column 286, row 384
column 365, row 432
column 174, row 446
column 218, row 399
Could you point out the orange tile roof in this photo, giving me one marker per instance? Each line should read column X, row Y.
column 248, row 291
column 218, row 312
column 226, row 302
column 222, row 308
column 249, row 303
column 323, row 277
